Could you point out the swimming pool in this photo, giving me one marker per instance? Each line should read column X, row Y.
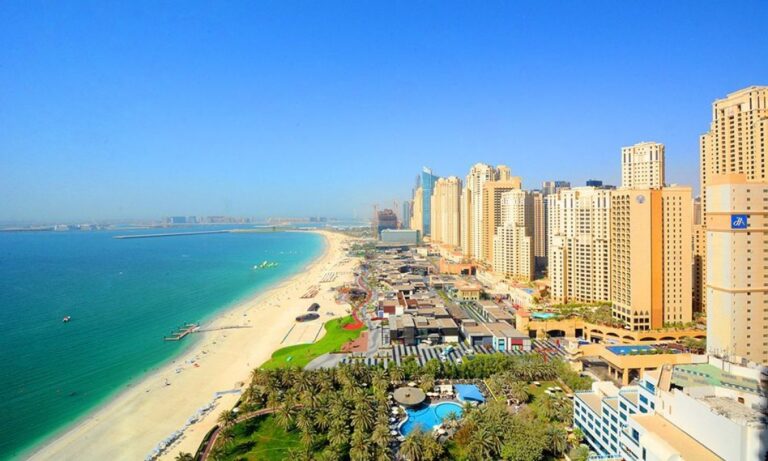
column 427, row 417
column 636, row 349
column 542, row 315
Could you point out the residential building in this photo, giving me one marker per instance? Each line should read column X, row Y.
column 472, row 207
column 552, row 187
column 445, row 222
column 513, row 240
column 651, row 256
column 737, row 142
column 492, row 214
column 417, row 218
column 539, row 230
column 642, row 166
column 579, row 244
column 737, row 267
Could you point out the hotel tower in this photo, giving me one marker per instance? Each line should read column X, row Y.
column 732, row 256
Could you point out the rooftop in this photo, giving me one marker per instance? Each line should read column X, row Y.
column 666, row 433
column 704, row 374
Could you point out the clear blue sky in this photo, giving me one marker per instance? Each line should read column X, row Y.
column 144, row 109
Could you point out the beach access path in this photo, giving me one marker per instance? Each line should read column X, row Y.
column 136, row 420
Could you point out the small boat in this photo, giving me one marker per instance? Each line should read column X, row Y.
column 66, row 319
column 265, row 265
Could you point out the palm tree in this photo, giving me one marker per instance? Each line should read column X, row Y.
column 433, row 449
column 558, row 440
column 412, row 447
column 380, row 435
column 227, row 418
column 227, row 437
column 396, row 374
column 518, row 392
column 183, row 456
column 284, row 416
column 361, row 417
column 358, row 450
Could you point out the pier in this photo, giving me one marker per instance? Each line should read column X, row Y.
column 256, row 230
column 182, row 332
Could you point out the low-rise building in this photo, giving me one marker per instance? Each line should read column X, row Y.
column 410, row 330
column 400, row 236
column 468, row 292
column 500, row 336
column 705, row 411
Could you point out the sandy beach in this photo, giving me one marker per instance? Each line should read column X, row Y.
column 134, row 422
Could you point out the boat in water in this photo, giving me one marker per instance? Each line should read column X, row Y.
column 265, row 265
column 66, row 319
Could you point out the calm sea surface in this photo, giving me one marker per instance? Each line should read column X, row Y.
column 123, row 297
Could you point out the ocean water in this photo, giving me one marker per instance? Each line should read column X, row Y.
column 123, row 296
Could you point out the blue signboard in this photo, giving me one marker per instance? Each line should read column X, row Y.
column 738, row 221
column 380, row 314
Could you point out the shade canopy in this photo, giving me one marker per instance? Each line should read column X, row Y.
column 469, row 392
column 409, row 396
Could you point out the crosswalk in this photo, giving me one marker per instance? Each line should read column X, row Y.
column 423, row 354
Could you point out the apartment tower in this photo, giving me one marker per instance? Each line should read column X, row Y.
column 539, row 230
column 492, row 193
column 446, row 211
column 651, row 256
column 642, row 166
column 417, row 217
column 471, row 207
column 579, row 244
column 427, row 186
column 737, row 142
column 513, row 239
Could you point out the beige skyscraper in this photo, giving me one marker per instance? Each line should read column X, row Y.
column 417, row 218
column 579, row 248
column 642, row 165
column 651, row 256
column 737, row 267
column 513, row 239
column 492, row 192
column 539, row 229
column 446, row 211
column 737, row 142
column 472, row 210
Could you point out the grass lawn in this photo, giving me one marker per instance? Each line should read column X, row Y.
column 260, row 439
column 301, row 354
column 538, row 391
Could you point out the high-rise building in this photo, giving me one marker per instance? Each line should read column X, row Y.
column 579, row 244
column 539, row 230
column 417, row 208
column 446, row 225
column 492, row 192
column 384, row 219
column 472, row 208
column 594, row 183
column 737, row 142
column 651, row 256
column 737, row 267
column 642, row 166
column 406, row 223
column 427, row 187
column 551, row 187
column 513, row 239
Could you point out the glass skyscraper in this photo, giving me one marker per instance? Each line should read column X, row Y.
column 427, row 185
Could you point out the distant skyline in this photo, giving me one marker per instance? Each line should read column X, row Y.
column 143, row 109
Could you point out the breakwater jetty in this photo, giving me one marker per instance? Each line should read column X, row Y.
column 218, row 231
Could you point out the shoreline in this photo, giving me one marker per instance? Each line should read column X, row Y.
column 121, row 426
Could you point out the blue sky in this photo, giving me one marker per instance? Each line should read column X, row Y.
column 146, row 109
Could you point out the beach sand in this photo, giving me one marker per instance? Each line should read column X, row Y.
column 135, row 421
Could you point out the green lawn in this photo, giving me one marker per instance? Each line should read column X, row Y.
column 260, row 439
column 538, row 391
column 301, row 354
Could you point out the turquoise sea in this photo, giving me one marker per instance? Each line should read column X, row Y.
column 123, row 296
